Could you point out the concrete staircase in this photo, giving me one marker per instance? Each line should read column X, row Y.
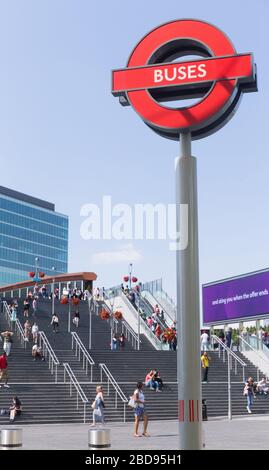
column 44, row 401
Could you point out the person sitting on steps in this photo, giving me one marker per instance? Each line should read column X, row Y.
column 151, row 382
column 15, row 409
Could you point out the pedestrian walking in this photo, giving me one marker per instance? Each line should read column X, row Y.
column 34, row 305
column 204, row 341
column 76, row 318
column 3, row 370
column 13, row 316
column 205, row 366
column 98, row 406
column 26, row 307
column 122, row 341
column 114, row 342
column 35, row 331
column 55, row 323
column 249, row 393
column 7, row 338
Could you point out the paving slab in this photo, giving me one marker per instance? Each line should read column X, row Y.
column 251, row 432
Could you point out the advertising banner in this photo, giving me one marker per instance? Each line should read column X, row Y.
column 239, row 298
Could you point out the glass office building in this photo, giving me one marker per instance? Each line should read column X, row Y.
column 30, row 229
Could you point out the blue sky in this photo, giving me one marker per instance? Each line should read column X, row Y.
column 65, row 138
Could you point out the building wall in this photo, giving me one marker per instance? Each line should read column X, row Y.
column 28, row 231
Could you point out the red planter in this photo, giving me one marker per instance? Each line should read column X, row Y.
column 64, row 300
column 41, row 274
column 104, row 315
column 118, row 315
column 75, row 301
column 126, row 278
column 31, row 274
column 169, row 334
column 134, row 279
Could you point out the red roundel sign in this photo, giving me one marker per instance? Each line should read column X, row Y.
column 153, row 77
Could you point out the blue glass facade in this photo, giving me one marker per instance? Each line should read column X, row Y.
column 30, row 228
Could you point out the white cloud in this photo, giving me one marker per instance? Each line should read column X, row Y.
column 126, row 253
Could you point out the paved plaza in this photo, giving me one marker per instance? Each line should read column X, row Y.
column 250, row 432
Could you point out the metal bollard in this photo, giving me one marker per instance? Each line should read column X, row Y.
column 10, row 438
column 204, row 410
column 99, row 439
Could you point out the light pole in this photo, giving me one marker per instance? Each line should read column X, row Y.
column 111, row 299
column 188, row 352
column 52, row 309
column 91, row 307
column 69, row 314
column 138, row 320
column 130, row 275
column 36, row 278
column 229, row 386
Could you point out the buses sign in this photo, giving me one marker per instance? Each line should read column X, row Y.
column 218, row 79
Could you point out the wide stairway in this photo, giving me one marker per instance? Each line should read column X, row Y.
column 45, row 401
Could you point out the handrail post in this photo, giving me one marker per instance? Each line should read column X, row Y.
column 244, row 374
column 229, row 387
column 56, row 373
column 124, row 412
column 84, row 413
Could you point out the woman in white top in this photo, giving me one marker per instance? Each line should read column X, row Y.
column 55, row 323
column 139, row 410
column 98, row 407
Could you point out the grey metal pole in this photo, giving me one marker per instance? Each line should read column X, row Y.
column 69, row 315
column 111, row 324
column 138, row 323
column 130, row 275
column 90, row 326
column 53, row 299
column 229, row 387
column 188, row 354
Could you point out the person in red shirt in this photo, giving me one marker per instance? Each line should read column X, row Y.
column 158, row 331
column 3, row 370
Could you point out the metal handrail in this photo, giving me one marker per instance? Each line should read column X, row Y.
column 20, row 332
column 18, row 326
column 149, row 294
column 260, row 345
column 256, row 352
column 231, row 353
column 47, row 350
column 129, row 333
column 144, row 324
column 115, row 385
column 144, row 299
column 80, row 348
column 74, row 381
